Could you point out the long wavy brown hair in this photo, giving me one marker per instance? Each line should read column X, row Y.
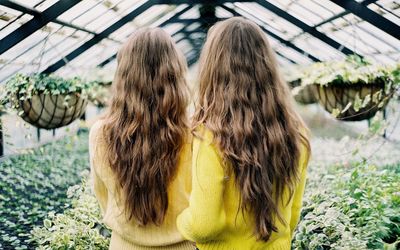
column 248, row 107
column 146, row 125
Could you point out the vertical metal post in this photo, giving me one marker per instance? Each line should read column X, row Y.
column 1, row 139
column 38, row 134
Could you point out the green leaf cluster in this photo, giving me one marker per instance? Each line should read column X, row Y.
column 352, row 70
column 78, row 227
column 356, row 208
column 35, row 183
column 23, row 87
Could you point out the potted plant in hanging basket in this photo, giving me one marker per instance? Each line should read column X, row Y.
column 303, row 94
column 100, row 93
column 351, row 90
column 47, row 102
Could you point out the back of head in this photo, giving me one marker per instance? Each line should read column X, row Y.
column 146, row 124
column 247, row 106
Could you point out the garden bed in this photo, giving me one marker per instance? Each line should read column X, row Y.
column 35, row 183
column 348, row 204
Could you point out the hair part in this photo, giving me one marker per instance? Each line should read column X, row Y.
column 146, row 126
column 248, row 107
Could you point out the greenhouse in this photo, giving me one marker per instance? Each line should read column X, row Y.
column 61, row 73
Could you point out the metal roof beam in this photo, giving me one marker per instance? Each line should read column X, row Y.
column 163, row 24
column 370, row 16
column 36, row 13
column 216, row 2
column 35, row 23
column 305, row 27
column 96, row 39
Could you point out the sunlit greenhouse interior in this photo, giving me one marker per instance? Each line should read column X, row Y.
column 340, row 59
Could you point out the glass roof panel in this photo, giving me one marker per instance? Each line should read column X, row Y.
column 317, row 48
column 42, row 48
column 11, row 20
column 8, row 15
column 308, row 11
column 284, row 28
column 38, row 4
column 54, row 41
column 389, row 9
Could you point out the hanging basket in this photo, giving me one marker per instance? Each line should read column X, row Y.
column 52, row 111
column 304, row 94
column 101, row 96
column 337, row 97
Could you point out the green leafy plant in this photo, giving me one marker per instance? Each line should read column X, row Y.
column 34, row 183
column 78, row 227
column 23, row 87
column 100, row 93
column 353, row 70
column 358, row 208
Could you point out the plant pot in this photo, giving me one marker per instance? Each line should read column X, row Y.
column 338, row 96
column 304, row 94
column 50, row 112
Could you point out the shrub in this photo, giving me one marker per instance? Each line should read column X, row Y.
column 358, row 209
column 23, row 87
column 77, row 228
column 35, row 183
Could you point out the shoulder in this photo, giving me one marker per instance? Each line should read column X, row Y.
column 96, row 133
column 305, row 148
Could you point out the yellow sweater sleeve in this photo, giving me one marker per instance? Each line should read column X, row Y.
column 298, row 193
column 205, row 217
column 99, row 188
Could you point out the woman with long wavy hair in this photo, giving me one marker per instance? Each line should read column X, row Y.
column 250, row 148
column 140, row 152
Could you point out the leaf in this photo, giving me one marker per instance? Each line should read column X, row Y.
column 357, row 103
column 366, row 101
column 346, row 108
column 335, row 112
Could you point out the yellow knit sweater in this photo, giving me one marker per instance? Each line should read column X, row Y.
column 212, row 219
column 127, row 235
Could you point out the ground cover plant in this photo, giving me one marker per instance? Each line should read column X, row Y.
column 347, row 205
column 357, row 207
column 34, row 183
column 78, row 227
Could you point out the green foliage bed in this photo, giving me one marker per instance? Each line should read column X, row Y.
column 345, row 207
column 351, row 207
column 34, row 184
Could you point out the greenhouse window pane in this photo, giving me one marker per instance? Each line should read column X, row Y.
column 173, row 28
column 391, row 6
column 386, row 13
column 39, row 4
column 192, row 13
column 42, row 5
column 80, row 13
column 119, row 11
column 95, row 55
column 307, row 11
column 317, row 48
column 282, row 27
column 9, row 26
column 8, row 15
column 293, row 55
column 45, row 46
column 154, row 12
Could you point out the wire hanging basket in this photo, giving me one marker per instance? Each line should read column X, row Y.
column 304, row 94
column 52, row 111
column 343, row 97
